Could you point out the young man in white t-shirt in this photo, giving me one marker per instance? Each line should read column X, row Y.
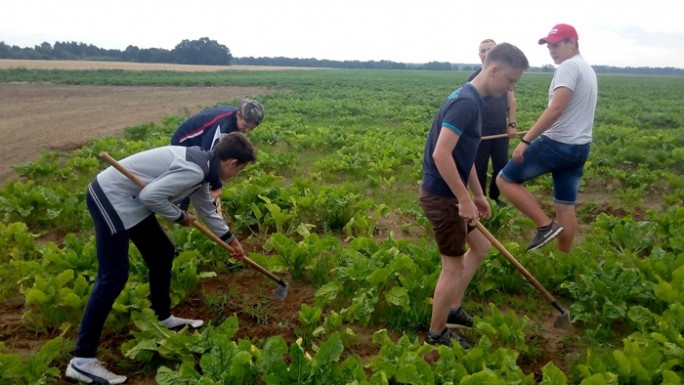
column 563, row 135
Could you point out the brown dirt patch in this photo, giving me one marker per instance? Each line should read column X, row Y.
column 34, row 117
column 106, row 65
column 244, row 293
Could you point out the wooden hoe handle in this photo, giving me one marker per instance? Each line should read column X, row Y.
column 134, row 178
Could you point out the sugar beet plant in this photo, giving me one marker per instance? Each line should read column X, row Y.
column 332, row 203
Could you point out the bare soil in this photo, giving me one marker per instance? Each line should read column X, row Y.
column 107, row 65
column 34, row 117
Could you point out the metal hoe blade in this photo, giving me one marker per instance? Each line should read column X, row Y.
column 281, row 291
column 563, row 320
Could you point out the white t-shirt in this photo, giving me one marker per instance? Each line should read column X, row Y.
column 576, row 123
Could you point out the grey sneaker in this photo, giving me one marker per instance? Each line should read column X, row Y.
column 177, row 323
column 458, row 318
column 545, row 235
column 445, row 337
column 92, row 372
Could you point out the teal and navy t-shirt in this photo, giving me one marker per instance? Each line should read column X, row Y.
column 460, row 113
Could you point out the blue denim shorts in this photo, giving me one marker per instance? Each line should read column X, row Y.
column 564, row 161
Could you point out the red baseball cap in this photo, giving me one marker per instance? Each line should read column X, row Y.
column 558, row 33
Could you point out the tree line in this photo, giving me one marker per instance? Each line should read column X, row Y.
column 205, row 51
column 202, row 51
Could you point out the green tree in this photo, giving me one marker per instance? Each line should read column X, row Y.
column 202, row 51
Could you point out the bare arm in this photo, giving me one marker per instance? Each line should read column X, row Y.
column 445, row 163
column 447, row 169
column 512, row 113
column 479, row 198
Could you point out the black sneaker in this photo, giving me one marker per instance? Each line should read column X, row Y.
column 545, row 235
column 458, row 318
column 500, row 203
column 445, row 337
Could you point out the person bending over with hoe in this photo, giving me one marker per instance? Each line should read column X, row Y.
column 207, row 127
column 123, row 211
column 558, row 142
column 448, row 170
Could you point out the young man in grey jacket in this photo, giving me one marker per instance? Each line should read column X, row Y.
column 123, row 211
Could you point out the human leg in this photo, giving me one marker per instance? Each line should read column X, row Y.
column 523, row 200
column 447, row 291
column 482, row 163
column 450, row 235
column 566, row 217
column 566, row 182
column 158, row 252
column 540, row 158
column 112, row 255
column 454, row 278
column 499, row 155
column 479, row 245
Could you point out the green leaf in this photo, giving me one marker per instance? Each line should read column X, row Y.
column 35, row 297
column 552, row 375
column 144, row 346
column 64, row 277
column 398, row 296
column 328, row 292
column 69, row 298
column 483, row 377
column 670, row 378
column 624, row 367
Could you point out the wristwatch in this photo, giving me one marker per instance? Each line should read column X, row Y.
column 512, row 125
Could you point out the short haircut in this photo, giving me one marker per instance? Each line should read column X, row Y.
column 507, row 54
column 251, row 110
column 488, row 41
column 236, row 146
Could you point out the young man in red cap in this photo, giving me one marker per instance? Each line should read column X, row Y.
column 557, row 143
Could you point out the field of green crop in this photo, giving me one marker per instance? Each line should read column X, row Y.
column 331, row 206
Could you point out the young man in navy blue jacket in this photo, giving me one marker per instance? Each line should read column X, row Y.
column 207, row 127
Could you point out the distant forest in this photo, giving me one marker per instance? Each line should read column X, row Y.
column 209, row 52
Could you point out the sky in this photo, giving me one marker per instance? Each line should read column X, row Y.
column 615, row 33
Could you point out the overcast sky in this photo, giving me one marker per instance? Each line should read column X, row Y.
column 618, row 33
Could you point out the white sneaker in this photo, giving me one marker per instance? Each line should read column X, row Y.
column 92, row 372
column 177, row 323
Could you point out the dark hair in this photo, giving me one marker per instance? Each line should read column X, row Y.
column 507, row 54
column 236, row 146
